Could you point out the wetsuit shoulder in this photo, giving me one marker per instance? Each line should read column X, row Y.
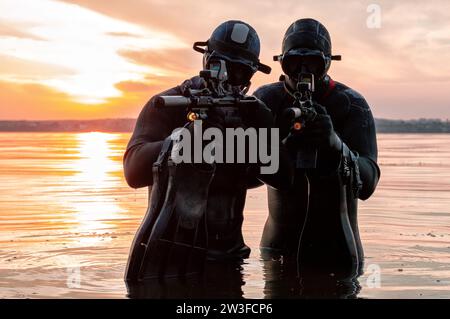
column 269, row 90
column 349, row 96
column 356, row 127
column 273, row 95
column 343, row 102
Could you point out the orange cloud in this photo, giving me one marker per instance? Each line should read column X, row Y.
column 123, row 34
column 133, row 86
column 34, row 101
column 23, row 69
column 180, row 61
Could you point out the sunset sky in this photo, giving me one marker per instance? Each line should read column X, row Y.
column 80, row 59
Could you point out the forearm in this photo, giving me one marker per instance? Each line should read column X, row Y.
column 369, row 174
column 283, row 177
column 362, row 171
column 138, row 161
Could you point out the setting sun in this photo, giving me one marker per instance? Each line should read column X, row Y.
column 81, row 47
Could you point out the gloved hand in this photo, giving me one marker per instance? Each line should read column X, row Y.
column 319, row 133
column 257, row 117
column 185, row 145
column 215, row 118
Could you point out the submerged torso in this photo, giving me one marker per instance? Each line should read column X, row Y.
column 319, row 192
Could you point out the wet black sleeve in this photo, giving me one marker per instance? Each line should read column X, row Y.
column 358, row 133
column 152, row 127
column 283, row 178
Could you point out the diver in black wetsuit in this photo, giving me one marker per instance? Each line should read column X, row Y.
column 237, row 44
column 316, row 219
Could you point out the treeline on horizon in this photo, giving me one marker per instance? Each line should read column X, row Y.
column 127, row 125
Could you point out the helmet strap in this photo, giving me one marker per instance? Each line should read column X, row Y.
column 198, row 46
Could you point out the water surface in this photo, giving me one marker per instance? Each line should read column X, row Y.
column 64, row 207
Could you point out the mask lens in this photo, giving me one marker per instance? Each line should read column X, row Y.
column 293, row 65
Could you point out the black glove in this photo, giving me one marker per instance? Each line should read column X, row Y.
column 194, row 154
column 317, row 133
column 216, row 118
column 257, row 116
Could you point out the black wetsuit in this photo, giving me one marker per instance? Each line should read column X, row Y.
column 354, row 124
column 228, row 189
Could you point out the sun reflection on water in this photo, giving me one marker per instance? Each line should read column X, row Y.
column 92, row 185
column 95, row 164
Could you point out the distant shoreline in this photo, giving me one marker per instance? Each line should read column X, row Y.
column 126, row 125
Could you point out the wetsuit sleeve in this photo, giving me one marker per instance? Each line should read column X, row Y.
column 152, row 127
column 283, row 177
column 280, row 180
column 359, row 135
